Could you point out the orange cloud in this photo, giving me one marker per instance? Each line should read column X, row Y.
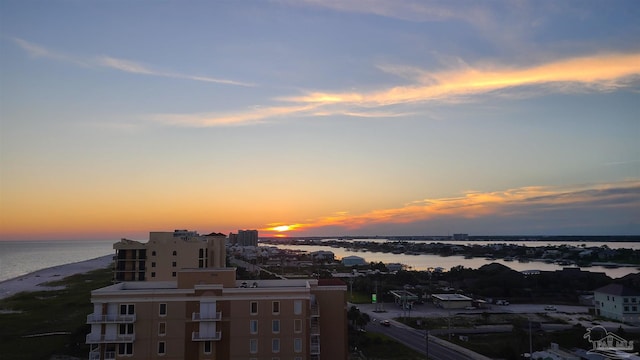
column 499, row 203
column 602, row 72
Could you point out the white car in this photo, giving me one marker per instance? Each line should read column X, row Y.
column 550, row 308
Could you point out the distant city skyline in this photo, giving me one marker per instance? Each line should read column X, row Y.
column 319, row 118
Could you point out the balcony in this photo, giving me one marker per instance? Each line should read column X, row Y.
column 110, row 319
column 315, row 328
column 110, row 339
column 198, row 336
column 315, row 310
column 108, row 355
column 315, row 348
column 206, row 317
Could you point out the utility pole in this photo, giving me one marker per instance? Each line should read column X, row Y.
column 530, row 344
column 426, row 340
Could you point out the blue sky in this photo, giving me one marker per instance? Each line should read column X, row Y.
column 319, row 117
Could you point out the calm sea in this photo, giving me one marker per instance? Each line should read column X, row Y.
column 22, row 257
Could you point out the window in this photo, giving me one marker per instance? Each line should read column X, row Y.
column 127, row 309
column 634, row 308
column 125, row 349
column 174, row 264
column 125, row 329
column 297, row 325
column 173, row 274
column 162, row 329
column 276, row 307
column 625, row 300
column 275, row 345
column 254, row 307
column 163, row 310
column 297, row 307
column 161, row 348
column 175, row 253
column 253, row 346
column 153, row 253
column 633, row 300
column 626, row 308
column 207, row 347
column 275, row 326
column 153, row 264
column 253, row 326
column 153, row 274
column 297, row 345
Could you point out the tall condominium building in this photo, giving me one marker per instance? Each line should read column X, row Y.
column 166, row 253
column 244, row 238
column 205, row 313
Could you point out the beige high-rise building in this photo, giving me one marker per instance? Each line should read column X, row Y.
column 166, row 253
column 205, row 313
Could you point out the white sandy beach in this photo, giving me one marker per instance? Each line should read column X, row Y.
column 33, row 281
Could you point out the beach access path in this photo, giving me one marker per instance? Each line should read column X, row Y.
column 34, row 281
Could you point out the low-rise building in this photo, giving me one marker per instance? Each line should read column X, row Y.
column 618, row 302
column 353, row 261
column 451, row 301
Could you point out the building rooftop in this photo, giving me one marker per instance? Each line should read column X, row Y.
column 451, row 297
column 618, row 289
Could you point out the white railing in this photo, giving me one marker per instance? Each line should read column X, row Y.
column 211, row 317
column 315, row 348
column 315, row 327
column 315, row 310
column 110, row 318
column 198, row 336
column 101, row 339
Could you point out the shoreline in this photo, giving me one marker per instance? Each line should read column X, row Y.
column 34, row 281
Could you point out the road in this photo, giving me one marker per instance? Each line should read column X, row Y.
column 415, row 339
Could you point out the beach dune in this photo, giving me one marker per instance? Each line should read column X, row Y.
column 34, row 281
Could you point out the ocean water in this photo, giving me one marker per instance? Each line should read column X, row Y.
column 22, row 257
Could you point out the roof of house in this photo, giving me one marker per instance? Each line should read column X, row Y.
column 618, row 289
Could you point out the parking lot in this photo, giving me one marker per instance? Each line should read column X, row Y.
column 571, row 314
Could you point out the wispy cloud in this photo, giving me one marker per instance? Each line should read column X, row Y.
column 525, row 201
column 408, row 10
column 601, row 73
column 116, row 64
column 253, row 116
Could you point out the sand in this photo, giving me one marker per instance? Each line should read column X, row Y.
column 34, row 281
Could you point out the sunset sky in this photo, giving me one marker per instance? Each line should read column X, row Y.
column 321, row 118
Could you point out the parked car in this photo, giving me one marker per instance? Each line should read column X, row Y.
column 502, row 302
column 550, row 308
column 385, row 323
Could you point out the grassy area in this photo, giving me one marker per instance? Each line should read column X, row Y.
column 467, row 321
column 59, row 311
column 377, row 346
column 511, row 345
column 359, row 297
